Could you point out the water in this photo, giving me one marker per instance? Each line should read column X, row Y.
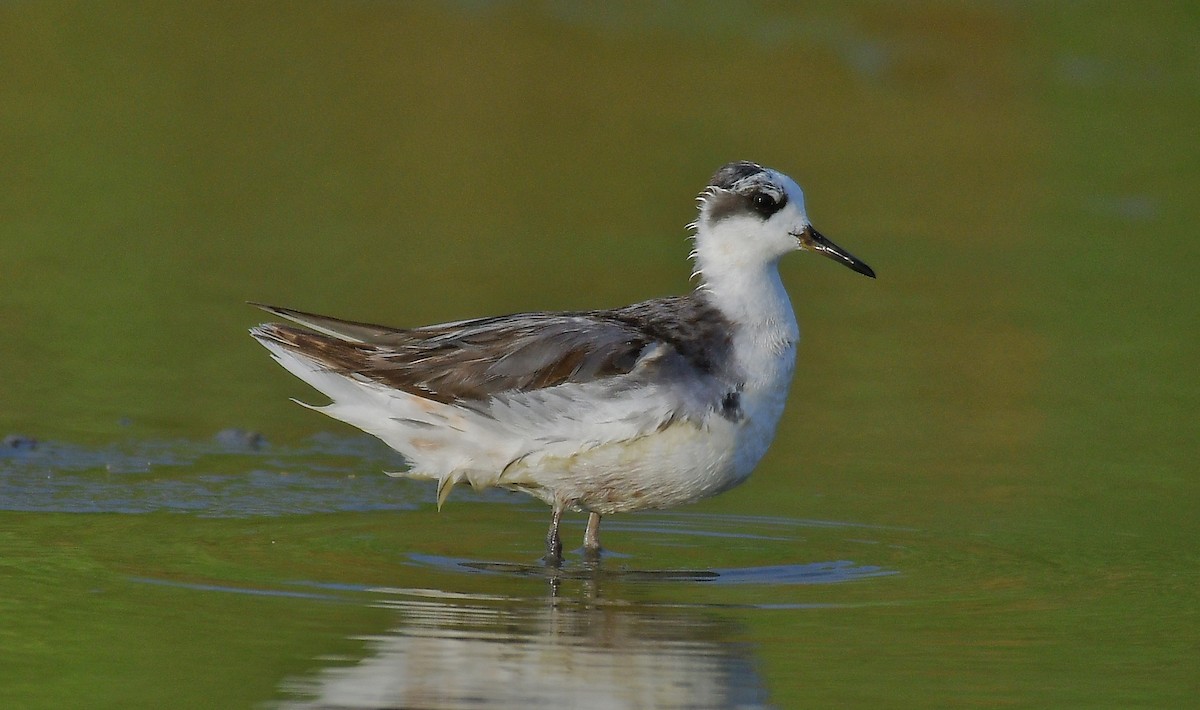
column 983, row 490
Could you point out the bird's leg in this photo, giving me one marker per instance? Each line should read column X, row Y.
column 553, row 541
column 591, row 536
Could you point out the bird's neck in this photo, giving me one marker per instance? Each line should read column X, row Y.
column 752, row 297
column 764, row 326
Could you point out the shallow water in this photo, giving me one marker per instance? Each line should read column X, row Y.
column 982, row 492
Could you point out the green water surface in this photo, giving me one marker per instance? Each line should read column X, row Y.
column 983, row 492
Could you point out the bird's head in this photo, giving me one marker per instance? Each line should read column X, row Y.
column 754, row 215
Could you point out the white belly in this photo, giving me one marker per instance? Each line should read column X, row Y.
column 682, row 463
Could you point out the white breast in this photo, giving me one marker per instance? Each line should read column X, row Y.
column 766, row 358
column 682, row 463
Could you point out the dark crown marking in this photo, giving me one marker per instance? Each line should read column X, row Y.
column 733, row 173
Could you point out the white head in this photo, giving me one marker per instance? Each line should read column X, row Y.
column 750, row 216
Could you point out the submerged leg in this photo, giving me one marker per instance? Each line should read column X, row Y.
column 553, row 541
column 591, row 536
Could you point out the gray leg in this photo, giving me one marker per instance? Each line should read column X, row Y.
column 553, row 541
column 591, row 536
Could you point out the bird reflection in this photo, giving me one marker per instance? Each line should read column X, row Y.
column 451, row 650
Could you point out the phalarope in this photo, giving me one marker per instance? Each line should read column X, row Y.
column 652, row 405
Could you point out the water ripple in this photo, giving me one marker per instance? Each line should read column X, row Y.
column 798, row 573
column 234, row 474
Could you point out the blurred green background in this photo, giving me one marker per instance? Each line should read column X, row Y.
column 1006, row 418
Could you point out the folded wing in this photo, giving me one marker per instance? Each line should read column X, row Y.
column 466, row 361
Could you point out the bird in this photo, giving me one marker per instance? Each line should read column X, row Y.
column 648, row 406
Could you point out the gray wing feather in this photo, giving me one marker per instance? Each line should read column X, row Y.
column 334, row 327
column 479, row 359
column 473, row 360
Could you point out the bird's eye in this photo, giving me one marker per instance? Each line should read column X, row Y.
column 764, row 204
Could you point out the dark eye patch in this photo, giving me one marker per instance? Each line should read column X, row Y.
column 759, row 203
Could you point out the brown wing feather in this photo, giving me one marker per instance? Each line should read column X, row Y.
column 477, row 359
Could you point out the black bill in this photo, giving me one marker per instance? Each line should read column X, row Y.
column 815, row 241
